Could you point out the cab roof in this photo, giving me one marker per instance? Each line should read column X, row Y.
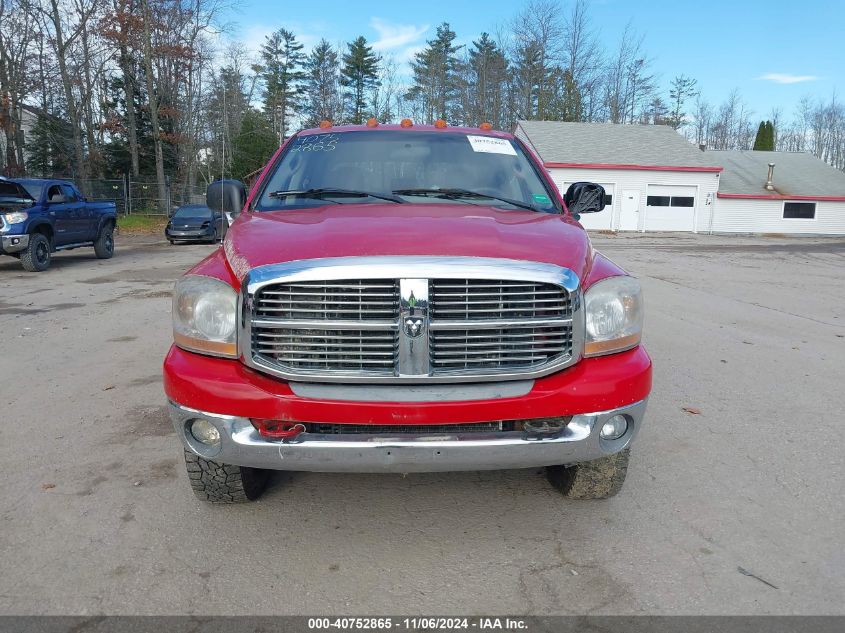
column 398, row 128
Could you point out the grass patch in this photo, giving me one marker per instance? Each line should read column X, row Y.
column 141, row 224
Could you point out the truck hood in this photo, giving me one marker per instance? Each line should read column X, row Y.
column 355, row 230
column 11, row 190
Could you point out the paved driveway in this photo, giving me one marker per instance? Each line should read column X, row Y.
column 735, row 509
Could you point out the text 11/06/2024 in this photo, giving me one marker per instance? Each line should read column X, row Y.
column 417, row 624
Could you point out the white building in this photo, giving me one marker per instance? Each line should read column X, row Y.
column 805, row 194
column 656, row 180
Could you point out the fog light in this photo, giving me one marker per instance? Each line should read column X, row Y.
column 205, row 432
column 614, row 428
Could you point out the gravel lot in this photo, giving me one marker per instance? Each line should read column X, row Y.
column 736, row 509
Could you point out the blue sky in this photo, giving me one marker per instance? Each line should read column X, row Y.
column 774, row 52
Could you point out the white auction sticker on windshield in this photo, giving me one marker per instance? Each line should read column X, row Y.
column 491, row 145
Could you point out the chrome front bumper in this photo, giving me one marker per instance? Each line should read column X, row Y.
column 242, row 445
column 13, row 243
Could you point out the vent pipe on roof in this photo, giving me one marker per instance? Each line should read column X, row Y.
column 769, row 184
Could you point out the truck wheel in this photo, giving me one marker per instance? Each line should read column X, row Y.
column 36, row 257
column 597, row 479
column 224, row 483
column 104, row 246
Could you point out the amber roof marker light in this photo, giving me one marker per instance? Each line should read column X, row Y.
column 372, row 122
column 485, row 126
column 324, row 125
column 440, row 124
column 406, row 123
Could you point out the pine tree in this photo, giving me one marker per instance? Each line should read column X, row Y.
column 49, row 146
column 435, row 74
column 529, row 77
column 281, row 70
column 765, row 139
column 323, row 100
column 488, row 79
column 253, row 146
column 358, row 75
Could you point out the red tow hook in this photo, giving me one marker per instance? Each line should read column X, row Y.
column 275, row 430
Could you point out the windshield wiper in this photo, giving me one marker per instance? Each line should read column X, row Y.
column 323, row 192
column 457, row 194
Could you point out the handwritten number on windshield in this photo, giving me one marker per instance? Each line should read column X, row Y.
column 316, row 143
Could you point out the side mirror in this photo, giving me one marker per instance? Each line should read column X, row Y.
column 584, row 197
column 227, row 196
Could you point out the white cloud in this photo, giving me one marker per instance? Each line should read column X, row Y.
column 253, row 36
column 785, row 78
column 406, row 55
column 392, row 36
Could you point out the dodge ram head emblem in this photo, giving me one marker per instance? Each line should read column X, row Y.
column 413, row 326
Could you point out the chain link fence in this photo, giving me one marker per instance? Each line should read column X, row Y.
column 142, row 196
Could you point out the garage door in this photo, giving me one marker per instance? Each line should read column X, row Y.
column 600, row 221
column 670, row 208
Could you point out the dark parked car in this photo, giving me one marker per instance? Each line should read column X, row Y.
column 195, row 223
column 38, row 217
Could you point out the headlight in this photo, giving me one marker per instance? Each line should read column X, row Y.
column 204, row 316
column 16, row 216
column 614, row 308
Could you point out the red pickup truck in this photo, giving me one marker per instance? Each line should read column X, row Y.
column 405, row 298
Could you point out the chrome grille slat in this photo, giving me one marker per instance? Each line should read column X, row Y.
column 298, row 293
column 323, row 353
column 495, row 344
column 318, row 310
column 477, row 300
column 324, row 325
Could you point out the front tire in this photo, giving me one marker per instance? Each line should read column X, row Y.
column 597, row 479
column 37, row 255
column 104, row 246
column 216, row 482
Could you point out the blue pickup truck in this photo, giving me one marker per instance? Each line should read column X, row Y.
column 39, row 217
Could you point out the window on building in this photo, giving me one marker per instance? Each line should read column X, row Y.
column 683, row 201
column 799, row 210
column 658, row 201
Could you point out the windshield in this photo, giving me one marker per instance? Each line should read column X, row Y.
column 400, row 167
column 192, row 213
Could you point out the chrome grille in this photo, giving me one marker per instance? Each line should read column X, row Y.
column 498, row 348
column 497, row 325
column 314, row 350
column 484, row 299
column 410, row 319
column 358, row 299
column 283, row 311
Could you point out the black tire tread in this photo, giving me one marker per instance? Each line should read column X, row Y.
column 597, row 479
column 28, row 260
column 100, row 248
column 216, row 482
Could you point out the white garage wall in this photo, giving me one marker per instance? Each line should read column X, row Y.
column 736, row 215
column 625, row 179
